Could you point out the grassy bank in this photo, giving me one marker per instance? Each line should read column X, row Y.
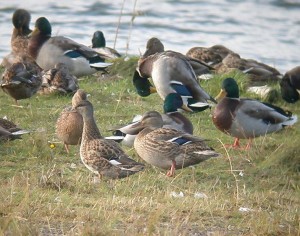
column 45, row 191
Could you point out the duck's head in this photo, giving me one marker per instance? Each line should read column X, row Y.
column 98, row 40
column 173, row 102
column 85, row 108
column 229, row 89
column 79, row 96
column 154, row 45
column 143, row 86
column 42, row 26
column 288, row 92
column 21, row 19
column 151, row 119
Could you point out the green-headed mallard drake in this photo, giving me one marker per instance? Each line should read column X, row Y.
column 143, row 86
column 22, row 80
column 167, row 68
column 59, row 80
column 99, row 45
column 245, row 118
column 168, row 148
column 48, row 51
column 69, row 124
column 290, row 85
column 172, row 118
column 101, row 156
column 19, row 39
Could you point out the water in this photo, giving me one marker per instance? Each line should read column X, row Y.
column 265, row 30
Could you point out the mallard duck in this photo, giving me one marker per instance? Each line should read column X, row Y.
column 101, row 156
column 59, row 80
column 257, row 71
column 19, row 39
column 168, row 148
column 9, row 130
column 154, row 45
column 142, row 85
column 204, row 54
column 48, row 51
column 99, row 45
column 172, row 118
column 170, row 67
column 22, row 80
column 290, row 85
column 245, row 118
column 69, row 124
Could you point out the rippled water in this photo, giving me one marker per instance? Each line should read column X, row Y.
column 265, row 30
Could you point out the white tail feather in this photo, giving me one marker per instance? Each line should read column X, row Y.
column 100, row 64
column 293, row 119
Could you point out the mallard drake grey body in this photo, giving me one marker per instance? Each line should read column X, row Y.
column 101, row 156
column 167, row 68
column 245, row 118
column 168, row 148
column 48, row 51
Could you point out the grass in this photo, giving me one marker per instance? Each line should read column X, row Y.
column 44, row 191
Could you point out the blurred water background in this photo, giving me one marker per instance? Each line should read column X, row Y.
column 265, row 30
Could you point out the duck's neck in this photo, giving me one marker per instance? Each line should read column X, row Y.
column 146, row 64
column 90, row 129
column 35, row 44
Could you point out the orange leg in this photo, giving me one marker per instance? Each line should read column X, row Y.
column 235, row 145
column 171, row 172
column 67, row 148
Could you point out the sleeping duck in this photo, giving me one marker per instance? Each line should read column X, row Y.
column 290, row 85
column 245, row 118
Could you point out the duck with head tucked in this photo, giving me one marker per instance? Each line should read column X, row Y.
column 245, row 118
column 167, row 148
column 290, row 85
column 22, row 79
column 48, row 51
column 171, row 72
column 101, row 156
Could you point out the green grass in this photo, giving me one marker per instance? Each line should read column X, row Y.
column 46, row 191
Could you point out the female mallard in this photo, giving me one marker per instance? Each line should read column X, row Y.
column 69, row 124
column 22, row 80
column 9, row 130
column 290, row 85
column 245, row 118
column 172, row 118
column 168, row 148
column 19, row 39
column 59, row 80
column 99, row 45
column 167, row 68
column 48, row 51
column 101, row 156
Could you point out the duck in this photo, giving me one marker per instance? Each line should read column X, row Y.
column 143, row 86
column 244, row 118
column 48, row 51
column 69, row 124
column 9, row 130
column 22, row 79
column 171, row 67
column 19, row 39
column 60, row 80
column 172, row 118
column 103, row 157
column 290, row 85
column 166, row 148
column 154, row 45
column 99, row 45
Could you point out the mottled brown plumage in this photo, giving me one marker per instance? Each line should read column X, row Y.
column 23, row 79
column 103, row 157
column 69, row 124
column 168, row 148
